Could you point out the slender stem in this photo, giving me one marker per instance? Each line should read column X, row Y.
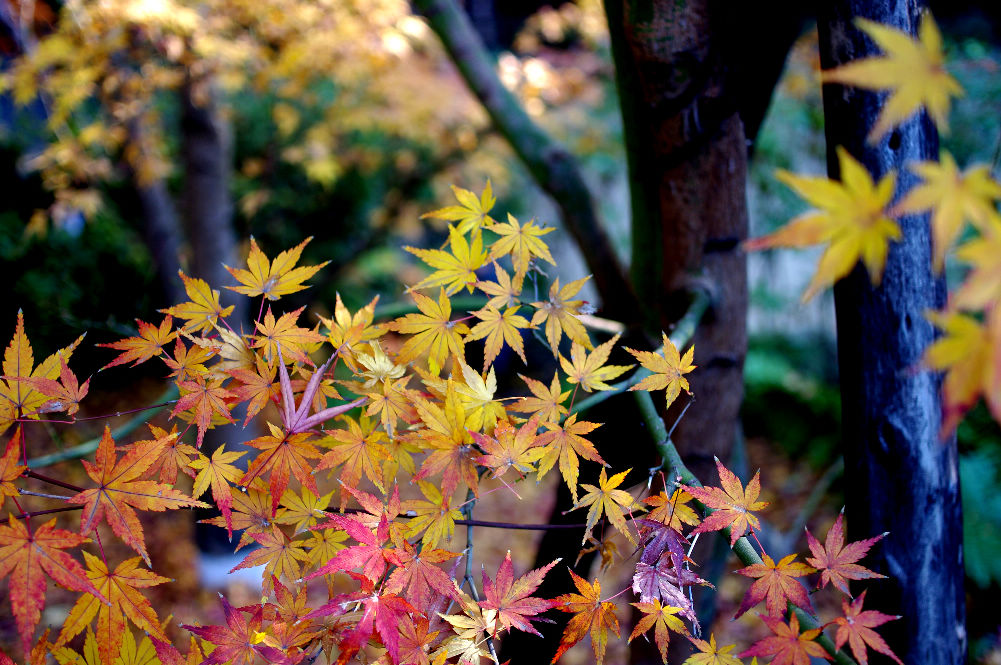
column 87, row 447
column 50, row 511
column 52, row 481
column 43, row 495
column 522, row 527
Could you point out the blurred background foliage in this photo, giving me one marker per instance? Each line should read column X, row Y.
column 347, row 122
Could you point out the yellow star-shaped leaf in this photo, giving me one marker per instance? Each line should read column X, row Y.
column 668, row 370
column 432, row 332
column 522, row 243
column 606, row 499
column 499, row 328
column 273, row 279
column 560, row 315
column 590, row 371
column 471, row 213
column 456, row 269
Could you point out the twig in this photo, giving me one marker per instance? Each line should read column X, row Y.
column 50, row 511
column 52, row 481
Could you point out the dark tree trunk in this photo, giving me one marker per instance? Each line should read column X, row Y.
column 687, row 168
column 904, row 479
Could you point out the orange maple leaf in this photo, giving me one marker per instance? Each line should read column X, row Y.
column 284, row 333
column 776, row 585
column 119, row 490
column 10, row 470
column 510, row 447
column 590, row 614
column 149, row 343
column 512, row 598
column 279, row 554
column 283, row 455
column 204, row 397
column 218, row 472
column 28, row 557
column 64, row 394
column 202, row 311
column 121, row 588
column 787, row 645
column 836, row 561
column 360, row 450
column 273, row 279
column 546, row 402
column 856, row 628
column 733, row 504
column 661, row 616
column 564, row 443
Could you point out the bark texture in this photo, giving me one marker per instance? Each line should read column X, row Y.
column 904, row 479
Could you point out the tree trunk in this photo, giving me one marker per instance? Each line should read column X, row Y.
column 687, row 168
column 904, row 479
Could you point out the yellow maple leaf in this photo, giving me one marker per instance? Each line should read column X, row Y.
column 547, row 401
column 503, row 292
column 982, row 287
column 710, row 654
column 455, row 270
column 850, row 218
column 293, row 340
column 499, row 328
column 560, row 315
column 606, row 499
column 202, row 311
column 346, row 330
column 668, row 370
column 953, row 198
column 471, row 213
column 435, row 516
column 273, row 279
column 563, row 443
column 477, row 396
column 914, row 69
column 431, row 331
column 522, row 243
column 590, row 371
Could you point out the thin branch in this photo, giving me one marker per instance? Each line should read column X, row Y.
column 522, row 527
column 52, row 481
column 50, row 511
column 552, row 166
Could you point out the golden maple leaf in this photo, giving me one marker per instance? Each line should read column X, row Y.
column 850, row 218
column 591, row 372
column 913, row 69
column 560, row 315
column 273, row 279
column 432, row 331
column 456, row 269
column 953, row 197
column 606, row 499
column 668, row 370
column 522, row 242
column 471, row 213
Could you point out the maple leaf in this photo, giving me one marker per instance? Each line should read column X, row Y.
column 149, row 343
column 218, row 472
column 512, row 448
column 446, row 435
column 417, row 575
column 837, row 561
column 381, row 613
column 119, row 491
column 605, row 498
column 346, row 330
column 787, row 645
column 188, row 362
column 559, row 313
column 283, row 455
column 477, row 396
column 174, row 456
column 370, row 554
column 303, row 511
column 564, row 443
column 378, row 367
column 668, row 369
column 393, row 402
column 28, row 557
column 953, row 197
column 966, row 352
column 273, row 279
column 661, row 616
column 202, row 311
column 710, row 654
column 120, row 588
column 432, row 332
column 850, row 218
column 251, row 512
column 471, row 213
column 10, row 470
column 503, row 293
column 522, row 243
column 64, row 394
column 204, row 398
column 913, row 69
column 590, row 371
column 499, row 328
column 856, row 628
column 17, row 398
column 435, row 516
column 285, row 334
column 673, row 511
column 512, row 599
column 982, row 287
column 547, row 402
column 415, row 638
column 455, row 270
column 237, row 642
column 279, row 554
column 776, row 585
column 359, row 449
column 591, row 614
column 257, row 387
column 732, row 503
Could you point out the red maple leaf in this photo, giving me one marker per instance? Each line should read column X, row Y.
column 416, row 574
column 856, row 628
column 513, row 599
column 239, row 641
column 776, row 585
column 836, row 561
column 369, row 555
column 28, row 556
